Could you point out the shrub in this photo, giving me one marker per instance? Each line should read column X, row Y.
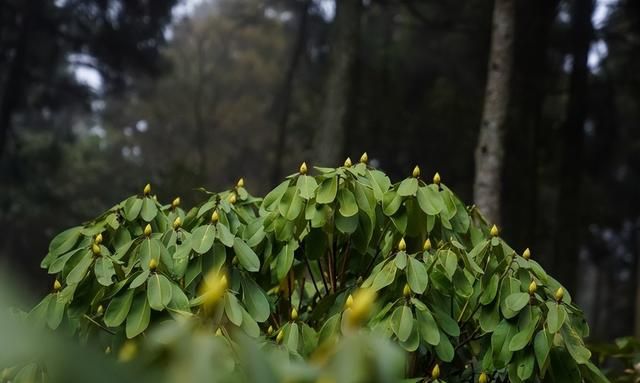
column 322, row 258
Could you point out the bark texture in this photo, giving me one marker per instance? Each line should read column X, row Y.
column 489, row 154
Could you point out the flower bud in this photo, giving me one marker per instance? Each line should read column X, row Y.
column 218, row 332
column 435, row 373
column 559, row 294
column 483, row 378
column 406, row 291
column 57, row 285
column 280, row 336
column 240, row 183
column 215, row 216
column 232, row 198
column 147, row 189
column 214, row 286
column 361, row 306
column 347, row 162
column 364, row 158
column 436, row 178
column 100, row 310
column 147, row 230
column 526, row 254
column 95, row 249
column 270, row 331
column 175, row 203
column 128, row 351
column 153, row 264
column 107, row 350
column 303, row 168
column 416, row 172
column 494, row 231
column 402, row 245
column 533, row 287
column 294, row 314
column 427, row 245
column 98, row 239
column 177, row 223
column 349, row 302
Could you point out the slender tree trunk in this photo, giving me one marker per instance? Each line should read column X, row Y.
column 490, row 148
column 330, row 137
column 282, row 104
column 569, row 209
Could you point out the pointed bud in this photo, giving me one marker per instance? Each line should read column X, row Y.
column 533, row 287
column 232, row 198
column 240, row 183
column 435, row 373
column 270, row 331
column 153, row 264
column 147, row 230
column 526, row 254
column 559, row 294
column 95, row 249
column 406, row 291
column 215, row 216
column 147, row 189
column 427, row 245
column 361, row 307
column 218, row 332
column 100, row 310
column 294, row 314
column 98, row 239
column 349, row 302
column 364, row 158
column 402, row 245
column 436, row 178
column 214, row 286
column 494, row 231
column 177, row 223
column 483, row 378
column 303, row 168
column 56, row 285
column 347, row 162
column 280, row 336
column 175, row 203
column 416, row 172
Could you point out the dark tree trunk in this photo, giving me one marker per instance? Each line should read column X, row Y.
column 489, row 154
column 569, row 208
column 282, row 103
column 330, row 137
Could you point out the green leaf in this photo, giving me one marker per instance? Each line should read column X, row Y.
column 140, row 279
column 447, row 324
column 149, row 209
column 523, row 337
column 58, row 265
column 517, row 301
column 450, row 263
column 347, row 201
column 224, row 234
column 574, row 344
column 284, row 259
column 379, row 182
column 292, row 337
column 64, row 241
column 158, row 291
column 179, row 300
column 417, row 276
column 132, row 208
column 249, row 325
column 525, row 363
column 78, row 273
column 307, row 186
column 385, row 277
column 555, row 317
column 291, row 204
column 104, row 271
column 408, row 187
column 202, row 238
column 490, row 290
column 401, row 260
column 429, row 200
column 327, row 191
column 255, row 300
column 391, row 203
column 542, row 346
column 428, row 327
column 118, row 309
column 500, row 343
column 246, row 256
column 402, row 322
column 275, row 195
column 233, row 309
column 55, row 311
column 138, row 318
column 444, row 349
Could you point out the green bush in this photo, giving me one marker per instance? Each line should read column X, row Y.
column 322, row 258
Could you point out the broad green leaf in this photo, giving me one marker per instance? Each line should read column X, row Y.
column 408, row 187
column 542, row 346
column 291, row 204
column 179, row 301
column 307, row 186
column 500, row 343
column 249, row 325
column 413, row 341
column 428, row 327
column 327, row 191
column 444, row 349
column 447, row 324
column 132, row 208
column 255, row 300
column 138, row 318
column 233, row 309
column 64, row 242
column 574, row 344
column 58, row 265
column 402, row 322
column 246, row 256
column 379, row 183
column 429, row 200
column 202, row 238
column 104, row 271
column 275, row 195
column 401, row 260
column 525, row 363
column 347, row 201
column 78, row 273
column 385, row 277
column 292, row 337
column 555, row 317
column 158, row 291
column 118, row 309
column 149, row 209
column 391, row 202
column 55, row 311
column 450, row 263
column 224, row 234
column 490, row 290
column 517, row 301
column 140, row 279
column 417, row 276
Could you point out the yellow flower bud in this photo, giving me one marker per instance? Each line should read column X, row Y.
column 349, row 302
column 177, row 223
column 95, row 249
column 57, row 285
column 483, row 378
column 232, row 198
column 436, row 178
column 213, row 288
column 215, row 216
column 494, row 231
column 364, row 158
column 303, row 168
column 128, row 351
column 98, row 239
column 526, row 254
column 240, row 183
column 361, row 307
column 435, row 373
column 147, row 230
column 406, row 291
column 147, row 189
column 100, row 310
column 218, row 332
column 416, row 172
column 559, row 294
column 347, row 162
column 280, row 336
column 153, row 264
column 294, row 314
column 427, row 245
column 402, row 245
column 270, row 331
column 533, row 287
column 175, row 203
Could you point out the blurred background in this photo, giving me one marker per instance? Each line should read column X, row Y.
column 99, row 97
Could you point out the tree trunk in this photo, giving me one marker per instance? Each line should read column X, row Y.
column 569, row 208
column 282, row 103
column 330, row 137
column 490, row 148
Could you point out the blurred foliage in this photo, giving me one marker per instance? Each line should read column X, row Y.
column 307, row 272
column 622, row 358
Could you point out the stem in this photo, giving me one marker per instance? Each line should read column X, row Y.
column 311, row 274
column 324, row 280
